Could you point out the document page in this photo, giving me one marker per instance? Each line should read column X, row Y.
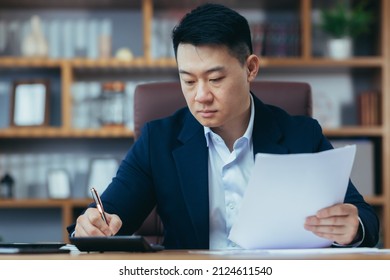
column 285, row 189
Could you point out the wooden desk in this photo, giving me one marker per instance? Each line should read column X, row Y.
column 196, row 255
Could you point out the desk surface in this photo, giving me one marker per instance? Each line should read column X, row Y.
column 200, row 255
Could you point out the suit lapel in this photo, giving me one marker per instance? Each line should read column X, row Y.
column 266, row 131
column 191, row 160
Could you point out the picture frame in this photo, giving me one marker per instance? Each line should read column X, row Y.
column 58, row 184
column 101, row 172
column 30, row 103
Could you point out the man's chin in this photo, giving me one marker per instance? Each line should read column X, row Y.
column 207, row 123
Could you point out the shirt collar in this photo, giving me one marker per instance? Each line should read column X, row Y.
column 248, row 133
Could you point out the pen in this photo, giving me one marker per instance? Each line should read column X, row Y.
column 99, row 204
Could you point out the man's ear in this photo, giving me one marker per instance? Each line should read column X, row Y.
column 253, row 66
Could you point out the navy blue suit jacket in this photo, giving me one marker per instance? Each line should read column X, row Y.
column 168, row 167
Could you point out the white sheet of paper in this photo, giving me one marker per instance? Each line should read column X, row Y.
column 285, row 189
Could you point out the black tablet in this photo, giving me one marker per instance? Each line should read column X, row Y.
column 124, row 243
column 33, row 248
column 33, row 245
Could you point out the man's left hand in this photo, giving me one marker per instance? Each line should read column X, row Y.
column 338, row 223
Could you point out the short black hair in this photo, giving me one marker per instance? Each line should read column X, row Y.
column 215, row 24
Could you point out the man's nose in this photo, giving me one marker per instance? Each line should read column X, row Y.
column 202, row 92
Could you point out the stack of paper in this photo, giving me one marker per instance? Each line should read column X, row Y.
column 285, row 189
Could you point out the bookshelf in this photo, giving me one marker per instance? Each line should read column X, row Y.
column 66, row 207
column 368, row 70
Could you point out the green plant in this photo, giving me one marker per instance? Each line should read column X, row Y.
column 341, row 21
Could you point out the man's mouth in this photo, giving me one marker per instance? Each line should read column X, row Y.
column 207, row 113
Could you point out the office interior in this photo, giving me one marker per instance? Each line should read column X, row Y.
column 68, row 71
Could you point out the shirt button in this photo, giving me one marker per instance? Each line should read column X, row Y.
column 231, row 206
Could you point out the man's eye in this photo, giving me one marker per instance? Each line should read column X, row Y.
column 189, row 82
column 216, row 80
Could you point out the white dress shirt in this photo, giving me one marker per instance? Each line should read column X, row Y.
column 229, row 173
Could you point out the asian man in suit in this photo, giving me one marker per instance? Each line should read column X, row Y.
column 195, row 165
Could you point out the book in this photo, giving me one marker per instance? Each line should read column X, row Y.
column 369, row 108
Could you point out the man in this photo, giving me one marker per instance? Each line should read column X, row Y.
column 195, row 164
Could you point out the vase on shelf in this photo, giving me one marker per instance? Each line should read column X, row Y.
column 35, row 44
column 339, row 48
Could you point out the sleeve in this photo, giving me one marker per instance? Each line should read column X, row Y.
column 130, row 195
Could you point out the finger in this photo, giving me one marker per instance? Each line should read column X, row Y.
column 93, row 224
column 336, row 230
column 337, row 210
column 79, row 231
column 331, row 221
column 115, row 223
column 99, row 224
column 342, row 239
column 84, row 228
column 335, row 234
column 342, row 234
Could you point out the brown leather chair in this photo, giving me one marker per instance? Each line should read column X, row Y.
column 161, row 99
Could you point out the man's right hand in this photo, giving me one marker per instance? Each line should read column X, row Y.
column 92, row 224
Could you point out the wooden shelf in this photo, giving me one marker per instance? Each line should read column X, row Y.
column 51, row 132
column 67, row 207
column 45, row 132
column 140, row 62
column 354, row 131
column 69, row 4
column 44, row 203
column 376, row 200
column 25, row 62
column 322, row 62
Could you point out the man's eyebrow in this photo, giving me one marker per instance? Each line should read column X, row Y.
column 184, row 72
column 214, row 69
